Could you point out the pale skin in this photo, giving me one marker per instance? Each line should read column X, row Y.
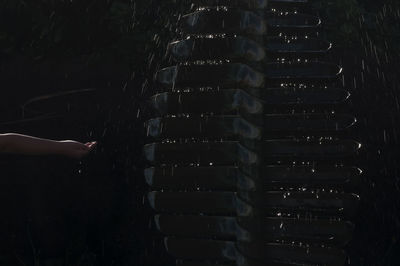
column 13, row 143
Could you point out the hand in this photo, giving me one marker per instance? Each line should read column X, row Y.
column 75, row 149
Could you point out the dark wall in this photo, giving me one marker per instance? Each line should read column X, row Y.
column 57, row 210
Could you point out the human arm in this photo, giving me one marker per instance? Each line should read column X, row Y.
column 28, row 145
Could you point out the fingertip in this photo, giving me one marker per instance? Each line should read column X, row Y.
column 91, row 146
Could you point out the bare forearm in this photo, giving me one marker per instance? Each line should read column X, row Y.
column 22, row 144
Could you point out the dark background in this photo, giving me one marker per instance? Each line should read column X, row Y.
column 56, row 211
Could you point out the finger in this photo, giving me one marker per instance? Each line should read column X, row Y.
column 92, row 145
column 84, row 147
column 88, row 144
